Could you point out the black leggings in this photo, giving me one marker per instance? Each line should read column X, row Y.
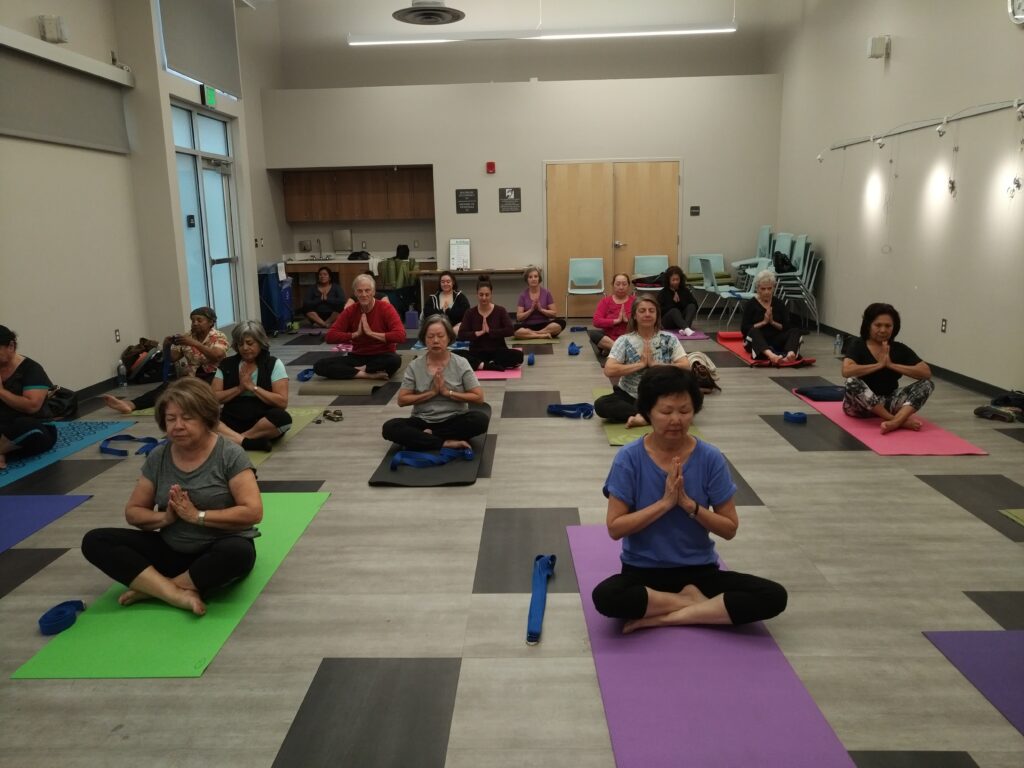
column 616, row 407
column 782, row 342
column 30, row 435
column 747, row 598
column 496, row 359
column 242, row 413
column 409, row 432
column 124, row 553
column 344, row 366
column 540, row 325
column 675, row 319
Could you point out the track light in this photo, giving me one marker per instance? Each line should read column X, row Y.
column 880, row 143
column 1014, row 187
column 941, row 129
column 820, row 158
column 952, row 188
column 1019, row 106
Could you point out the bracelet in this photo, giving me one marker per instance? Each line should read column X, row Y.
column 202, row 517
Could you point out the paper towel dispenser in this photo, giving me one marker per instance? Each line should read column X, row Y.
column 342, row 240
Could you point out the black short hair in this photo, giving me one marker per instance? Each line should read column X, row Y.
column 873, row 312
column 674, row 270
column 7, row 336
column 455, row 283
column 662, row 380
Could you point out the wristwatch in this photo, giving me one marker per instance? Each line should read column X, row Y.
column 696, row 510
column 202, row 517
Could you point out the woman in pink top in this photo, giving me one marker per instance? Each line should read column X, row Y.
column 612, row 314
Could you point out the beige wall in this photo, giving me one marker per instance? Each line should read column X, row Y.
column 930, row 255
column 724, row 129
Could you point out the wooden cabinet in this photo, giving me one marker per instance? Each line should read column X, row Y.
column 359, row 194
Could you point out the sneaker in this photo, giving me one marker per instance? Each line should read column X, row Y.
column 995, row 413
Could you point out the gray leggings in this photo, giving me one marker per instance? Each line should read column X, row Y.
column 859, row 400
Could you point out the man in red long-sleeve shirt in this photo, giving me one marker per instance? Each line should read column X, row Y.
column 373, row 328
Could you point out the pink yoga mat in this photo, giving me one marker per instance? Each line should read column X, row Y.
column 511, row 373
column 700, row 696
column 930, row 440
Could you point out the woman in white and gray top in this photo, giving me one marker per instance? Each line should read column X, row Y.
column 439, row 386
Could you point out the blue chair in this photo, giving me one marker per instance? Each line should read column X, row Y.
column 764, row 243
column 694, row 272
column 712, row 288
column 586, row 278
column 645, row 266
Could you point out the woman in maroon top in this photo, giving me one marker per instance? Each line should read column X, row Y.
column 485, row 327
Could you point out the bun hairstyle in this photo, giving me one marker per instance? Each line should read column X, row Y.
column 484, row 281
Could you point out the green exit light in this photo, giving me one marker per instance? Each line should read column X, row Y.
column 208, row 95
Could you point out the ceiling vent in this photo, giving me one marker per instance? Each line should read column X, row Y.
column 429, row 13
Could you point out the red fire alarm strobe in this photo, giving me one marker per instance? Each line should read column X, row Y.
column 490, row 166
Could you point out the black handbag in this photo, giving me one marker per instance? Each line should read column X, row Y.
column 61, row 403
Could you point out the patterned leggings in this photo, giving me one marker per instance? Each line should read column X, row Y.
column 859, row 400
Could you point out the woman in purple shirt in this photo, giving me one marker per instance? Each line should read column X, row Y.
column 536, row 316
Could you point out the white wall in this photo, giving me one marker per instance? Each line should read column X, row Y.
column 930, row 255
column 724, row 129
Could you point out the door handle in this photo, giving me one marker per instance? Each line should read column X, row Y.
column 620, row 244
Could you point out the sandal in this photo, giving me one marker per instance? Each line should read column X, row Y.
column 335, row 415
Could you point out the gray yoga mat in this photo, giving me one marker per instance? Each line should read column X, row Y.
column 528, row 404
column 512, row 538
column 386, row 713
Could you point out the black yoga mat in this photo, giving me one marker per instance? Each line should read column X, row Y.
column 457, row 472
column 305, row 340
column 309, row 359
column 818, row 434
column 380, row 396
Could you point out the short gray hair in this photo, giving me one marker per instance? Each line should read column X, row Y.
column 361, row 278
column 252, row 329
column 765, row 276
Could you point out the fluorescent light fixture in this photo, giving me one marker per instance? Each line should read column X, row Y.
column 451, row 36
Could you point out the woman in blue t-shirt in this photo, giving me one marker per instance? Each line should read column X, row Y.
column 667, row 492
column 873, row 366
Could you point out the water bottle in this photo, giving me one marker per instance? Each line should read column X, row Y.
column 837, row 345
column 122, row 374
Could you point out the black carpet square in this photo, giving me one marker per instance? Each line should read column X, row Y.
column 512, row 538
column 818, row 434
column 983, row 496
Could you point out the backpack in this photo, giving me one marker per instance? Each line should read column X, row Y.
column 782, row 263
column 1012, row 399
column 705, row 371
column 61, row 403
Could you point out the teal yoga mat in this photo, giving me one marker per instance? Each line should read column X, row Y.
column 72, row 436
column 152, row 639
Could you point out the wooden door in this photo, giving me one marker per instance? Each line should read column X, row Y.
column 646, row 212
column 580, row 198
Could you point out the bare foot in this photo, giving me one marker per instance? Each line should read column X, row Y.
column 914, row 424
column 460, row 444
column 633, row 625
column 188, row 600
column 636, row 420
column 132, row 596
column 791, row 356
column 117, row 404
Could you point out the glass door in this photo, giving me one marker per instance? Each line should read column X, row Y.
column 206, row 193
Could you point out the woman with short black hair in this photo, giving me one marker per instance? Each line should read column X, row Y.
column 24, row 386
column 667, row 492
column 324, row 300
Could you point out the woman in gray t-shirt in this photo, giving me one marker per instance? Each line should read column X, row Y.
column 195, row 507
column 439, row 386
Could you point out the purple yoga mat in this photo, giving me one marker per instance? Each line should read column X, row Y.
column 993, row 662
column 21, row 516
column 701, row 696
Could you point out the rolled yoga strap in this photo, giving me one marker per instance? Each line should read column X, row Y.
column 572, row 410
column 543, row 569
column 421, row 459
column 60, row 617
column 148, row 444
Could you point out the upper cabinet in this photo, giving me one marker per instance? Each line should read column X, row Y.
column 359, row 194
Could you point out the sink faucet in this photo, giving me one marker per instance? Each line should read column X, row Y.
column 319, row 247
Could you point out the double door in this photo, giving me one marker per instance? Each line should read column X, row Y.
column 611, row 210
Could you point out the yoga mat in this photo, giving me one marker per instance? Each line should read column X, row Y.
column 618, row 434
column 380, row 396
column 930, row 440
column 529, row 404
column 993, row 662
column 532, row 342
column 21, row 516
column 701, row 696
column 695, row 336
column 511, row 373
column 1017, row 515
column 62, row 477
column 305, row 339
column 309, row 359
column 735, row 345
column 72, row 436
column 336, row 387
column 302, row 417
column 457, row 472
column 153, row 639
column 19, row 565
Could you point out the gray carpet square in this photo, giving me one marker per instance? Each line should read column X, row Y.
column 912, row 759
column 745, row 495
column 789, row 383
column 724, row 359
column 19, row 565
column 386, row 713
column 63, row 477
column 309, row 359
column 1006, row 608
column 487, row 457
column 530, row 404
column 983, row 496
column 382, row 395
column 512, row 538
column 818, row 434
column 1017, row 433
column 290, row 486
column 305, row 340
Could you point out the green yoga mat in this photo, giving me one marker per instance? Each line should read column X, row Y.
column 152, row 639
column 619, row 435
column 1017, row 515
column 302, row 417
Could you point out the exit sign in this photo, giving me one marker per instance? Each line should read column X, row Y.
column 208, row 96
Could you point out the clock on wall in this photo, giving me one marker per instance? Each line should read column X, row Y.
column 1016, row 10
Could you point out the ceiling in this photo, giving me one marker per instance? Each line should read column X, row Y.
column 315, row 53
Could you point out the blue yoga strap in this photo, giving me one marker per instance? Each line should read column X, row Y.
column 795, row 417
column 572, row 410
column 60, row 617
column 421, row 459
column 543, row 569
column 148, row 444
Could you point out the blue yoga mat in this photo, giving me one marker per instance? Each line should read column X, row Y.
column 21, row 516
column 72, row 436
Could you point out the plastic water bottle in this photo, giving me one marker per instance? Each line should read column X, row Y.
column 122, row 374
column 837, row 345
